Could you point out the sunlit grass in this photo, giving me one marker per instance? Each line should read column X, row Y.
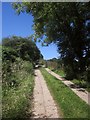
column 80, row 83
column 60, row 72
column 16, row 100
column 69, row 103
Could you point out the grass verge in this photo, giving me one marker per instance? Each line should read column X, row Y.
column 70, row 104
column 59, row 72
column 16, row 100
column 81, row 83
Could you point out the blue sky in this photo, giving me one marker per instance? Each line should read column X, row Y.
column 0, row 21
column 21, row 25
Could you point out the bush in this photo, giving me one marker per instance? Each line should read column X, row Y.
column 69, row 72
column 16, row 96
column 17, row 85
column 18, row 57
column 28, row 67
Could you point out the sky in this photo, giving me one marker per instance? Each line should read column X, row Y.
column 0, row 21
column 21, row 25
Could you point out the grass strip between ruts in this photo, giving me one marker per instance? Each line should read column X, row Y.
column 69, row 103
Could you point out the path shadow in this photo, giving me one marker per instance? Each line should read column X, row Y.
column 82, row 90
column 35, row 75
column 73, row 86
column 63, row 78
column 77, row 87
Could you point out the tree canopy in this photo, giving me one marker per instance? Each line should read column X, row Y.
column 24, row 48
column 67, row 25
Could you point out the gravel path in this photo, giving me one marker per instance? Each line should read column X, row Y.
column 82, row 93
column 44, row 105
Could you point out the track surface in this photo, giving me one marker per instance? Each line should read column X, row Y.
column 44, row 105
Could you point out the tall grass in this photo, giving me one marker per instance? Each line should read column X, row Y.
column 17, row 99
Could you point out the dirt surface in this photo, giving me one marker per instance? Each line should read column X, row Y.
column 44, row 105
column 82, row 93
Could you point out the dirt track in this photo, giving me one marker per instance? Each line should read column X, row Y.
column 44, row 105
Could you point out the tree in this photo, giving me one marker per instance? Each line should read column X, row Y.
column 65, row 25
column 24, row 47
column 17, row 54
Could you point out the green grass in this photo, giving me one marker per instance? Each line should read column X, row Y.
column 60, row 72
column 80, row 83
column 17, row 100
column 69, row 103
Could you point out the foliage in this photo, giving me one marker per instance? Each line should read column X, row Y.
column 15, row 51
column 16, row 98
column 82, row 83
column 69, row 73
column 25, row 48
column 18, row 57
column 56, row 65
column 52, row 63
column 60, row 72
column 66, row 24
column 69, row 103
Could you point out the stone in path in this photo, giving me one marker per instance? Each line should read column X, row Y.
column 82, row 93
column 44, row 105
